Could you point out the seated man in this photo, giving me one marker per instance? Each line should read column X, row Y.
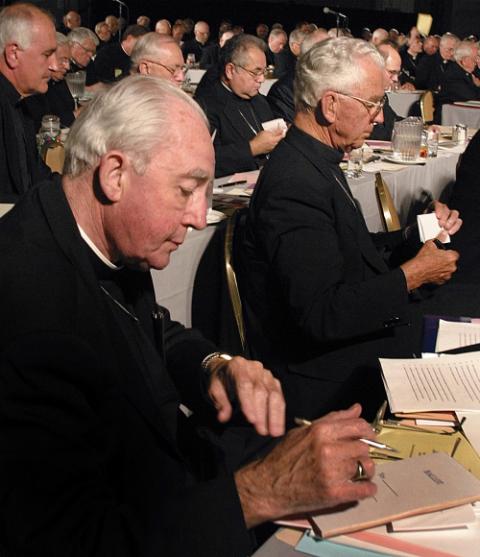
column 236, row 110
column 431, row 70
column 280, row 95
column 321, row 304
column 113, row 61
column 83, row 47
column 277, row 40
column 211, row 53
column 57, row 100
column 196, row 45
column 97, row 458
column 460, row 83
column 102, row 30
column 383, row 130
column 411, row 56
column 159, row 55
column 27, row 58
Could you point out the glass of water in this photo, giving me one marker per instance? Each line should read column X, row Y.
column 355, row 163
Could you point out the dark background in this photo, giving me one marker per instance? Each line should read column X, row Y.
column 458, row 16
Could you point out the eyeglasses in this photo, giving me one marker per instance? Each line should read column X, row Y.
column 173, row 71
column 254, row 73
column 394, row 73
column 372, row 107
column 90, row 51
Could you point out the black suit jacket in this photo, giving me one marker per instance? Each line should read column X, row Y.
column 112, row 63
column 20, row 163
column 458, row 86
column 95, row 459
column 285, row 62
column 280, row 97
column 431, row 72
column 224, row 112
column 318, row 295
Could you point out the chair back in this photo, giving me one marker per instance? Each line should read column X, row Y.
column 427, row 107
column 388, row 212
column 232, row 283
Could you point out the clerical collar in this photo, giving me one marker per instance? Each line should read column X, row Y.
column 96, row 251
column 226, row 86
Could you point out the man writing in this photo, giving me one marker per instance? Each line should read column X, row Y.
column 321, row 303
column 96, row 457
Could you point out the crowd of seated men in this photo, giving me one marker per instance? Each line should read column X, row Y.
column 124, row 432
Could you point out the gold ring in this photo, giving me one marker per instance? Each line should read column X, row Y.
column 360, row 474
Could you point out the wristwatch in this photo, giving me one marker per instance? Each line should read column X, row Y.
column 213, row 356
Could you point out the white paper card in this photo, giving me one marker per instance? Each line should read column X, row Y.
column 428, row 227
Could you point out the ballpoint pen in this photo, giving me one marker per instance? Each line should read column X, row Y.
column 369, row 442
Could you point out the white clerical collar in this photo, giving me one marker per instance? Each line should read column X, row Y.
column 226, row 86
column 96, row 251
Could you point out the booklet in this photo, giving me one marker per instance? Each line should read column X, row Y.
column 405, row 488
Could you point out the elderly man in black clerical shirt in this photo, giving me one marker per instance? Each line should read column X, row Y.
column 83, row 47
column 321, row 302
column 431, row 69
column 58, row 99
column 280, row 95
column 236, row 109
column 27, row 47
column 97, row 457
column 460, row 83
column 113, row 61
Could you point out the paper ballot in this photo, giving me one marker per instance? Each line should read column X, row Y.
column 428, row 228
column 419, row 385
column 452, row 334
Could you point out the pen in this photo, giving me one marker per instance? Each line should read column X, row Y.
column 439, row 244
column 375, row 444
column 228, row 184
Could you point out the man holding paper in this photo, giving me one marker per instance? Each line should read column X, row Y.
column 322, row 299
column 238, row 114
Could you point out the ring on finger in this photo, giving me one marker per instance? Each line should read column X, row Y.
column 360, row 473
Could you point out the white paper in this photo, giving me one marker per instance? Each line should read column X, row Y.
column 428, row 227
column 458, row 517
column 453, row 334
column 275, row 125
column 415, row 385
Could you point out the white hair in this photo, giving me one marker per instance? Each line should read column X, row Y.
column 17, row 24
column 464, row 49
column 134, row 116
column 149, row 46
column 333, row 65
column 449, row 37
column 61, row 39
column 80, row 34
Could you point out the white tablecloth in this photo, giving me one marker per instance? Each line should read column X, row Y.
column 401, row 101
column 453, row 114
column 265, row 86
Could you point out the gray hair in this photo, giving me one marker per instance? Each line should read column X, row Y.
column 134, row 116
column 297, row 36
column 277, row 32
column 334, row 65
column 149, row 46
column 81, row 34
column 61, row 39
column 448, row 37
column 464, row 49
column 313, row 38
column 235, row 50
column 17, row 22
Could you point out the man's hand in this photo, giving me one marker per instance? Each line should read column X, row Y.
column 265, row 141
column 430, row 265
column 448, row 219
column 311, row 469
column 259, row 394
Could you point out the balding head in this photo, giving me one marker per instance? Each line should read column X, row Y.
column 163, row 27
column 393, row 64
column 201, row 32
column 379, row 35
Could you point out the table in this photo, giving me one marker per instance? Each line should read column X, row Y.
column 456, row 114
column 174, row 285
column 401, row 101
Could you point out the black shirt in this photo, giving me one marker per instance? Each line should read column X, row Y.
column 112, row 63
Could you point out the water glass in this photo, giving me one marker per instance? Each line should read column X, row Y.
column 432, row 143
column 355, row 163
column 406, row 138
column 76, row 83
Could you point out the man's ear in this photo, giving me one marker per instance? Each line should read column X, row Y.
column 229, row 70
column 329, row 106
column 11, row 55
column 143, row 68
column 113, row 175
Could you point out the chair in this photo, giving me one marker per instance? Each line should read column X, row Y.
column 216, row 302
column 54, row 157
column 232, row 282
column 388, row 212
column 427, row 107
